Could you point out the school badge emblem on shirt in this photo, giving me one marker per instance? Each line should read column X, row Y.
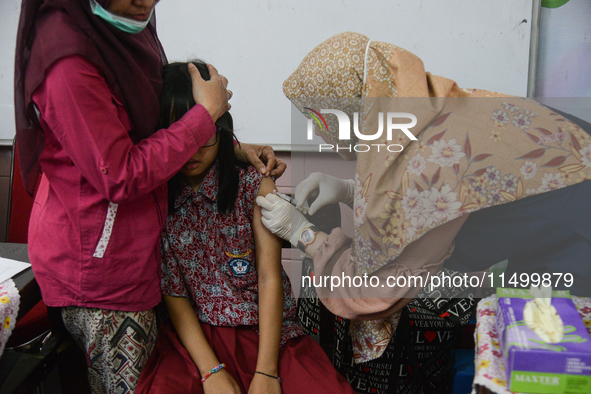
column 238, row 265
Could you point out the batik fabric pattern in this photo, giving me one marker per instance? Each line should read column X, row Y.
column 474, row 149
column 209, row 257
column 117, row 345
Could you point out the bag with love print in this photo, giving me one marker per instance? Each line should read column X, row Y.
column 312, row 314
column 317, row 321
column 419, row 358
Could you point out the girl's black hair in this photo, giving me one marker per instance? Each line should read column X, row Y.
column 175, row 100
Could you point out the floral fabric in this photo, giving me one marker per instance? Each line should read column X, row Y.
column 490, row 369
column 474, row 149
column 107, row 230
column 9, row 304
column 209, row 257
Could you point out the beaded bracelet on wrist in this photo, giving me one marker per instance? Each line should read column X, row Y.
column 213, row 370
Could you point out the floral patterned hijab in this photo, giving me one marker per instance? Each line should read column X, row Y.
column 469, row 154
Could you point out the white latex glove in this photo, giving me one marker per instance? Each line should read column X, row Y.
column 325, row 189
column 541, row 316
column 282, row 218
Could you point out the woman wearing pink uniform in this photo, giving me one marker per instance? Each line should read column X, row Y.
column 87, row 84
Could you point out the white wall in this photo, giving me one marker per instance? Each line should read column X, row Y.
column 9, row 13
column 564, row 77
column 256, row 44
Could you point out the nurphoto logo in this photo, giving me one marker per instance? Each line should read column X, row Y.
column 344, row 132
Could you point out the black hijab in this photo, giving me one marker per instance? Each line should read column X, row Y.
column 50, row 30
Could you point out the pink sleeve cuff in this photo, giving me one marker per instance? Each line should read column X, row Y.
column 199, row 122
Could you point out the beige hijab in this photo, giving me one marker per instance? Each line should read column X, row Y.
column 474, row 149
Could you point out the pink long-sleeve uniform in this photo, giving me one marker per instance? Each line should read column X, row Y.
column 101, row 204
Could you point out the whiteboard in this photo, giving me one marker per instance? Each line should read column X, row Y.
column 257, row 44
column 9, row 13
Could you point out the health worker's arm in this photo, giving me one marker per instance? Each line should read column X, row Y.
column 332, row 259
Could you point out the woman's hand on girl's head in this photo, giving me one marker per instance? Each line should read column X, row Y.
column 212, row 94
column 221, row 382
column 262, row 384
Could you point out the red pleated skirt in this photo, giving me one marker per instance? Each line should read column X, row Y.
column 304, row 368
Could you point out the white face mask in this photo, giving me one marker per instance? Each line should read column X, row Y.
column 124, row 24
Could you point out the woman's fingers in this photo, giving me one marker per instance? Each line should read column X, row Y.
column 279, row 169
column 264, row 203
column 268, row 155
column 254, row 158
column 213, row 74
column 212, row 94
column 309, row 187
column 258, row 155
column 268, row 202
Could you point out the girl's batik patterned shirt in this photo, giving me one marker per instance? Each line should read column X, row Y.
column 209, row 257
